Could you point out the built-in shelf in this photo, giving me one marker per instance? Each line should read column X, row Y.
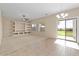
column 21, row 27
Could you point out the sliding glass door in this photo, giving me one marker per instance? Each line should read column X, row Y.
column 66, row 29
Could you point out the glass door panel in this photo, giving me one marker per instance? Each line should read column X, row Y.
column 61, row 29
column 70, row 30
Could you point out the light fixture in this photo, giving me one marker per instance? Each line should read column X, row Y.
column 57, row 16
column 24, row 17
column 62, row 15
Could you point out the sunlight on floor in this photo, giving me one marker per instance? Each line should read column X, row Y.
column 68, row 38
column 67, row 44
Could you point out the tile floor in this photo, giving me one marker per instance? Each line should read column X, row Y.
column 36, row 46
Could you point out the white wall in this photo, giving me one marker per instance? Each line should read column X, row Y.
column 1, row 28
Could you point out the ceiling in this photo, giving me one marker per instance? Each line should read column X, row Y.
column 34, row 10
